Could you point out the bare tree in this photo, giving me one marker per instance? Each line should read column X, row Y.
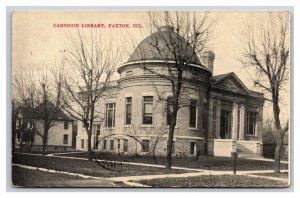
column 188, row 36
column 265, row 53
column 38, row 94
column 91, row 59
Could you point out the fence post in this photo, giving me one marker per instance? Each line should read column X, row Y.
column 234, row 156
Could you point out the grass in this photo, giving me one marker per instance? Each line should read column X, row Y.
column 89, row 167
column 32, row 178
column 203, row 162
column 214, row 181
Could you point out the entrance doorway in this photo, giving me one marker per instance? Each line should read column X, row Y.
column 225, row 125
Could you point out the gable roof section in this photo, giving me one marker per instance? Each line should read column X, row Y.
column 54, row 111
column 230, row 82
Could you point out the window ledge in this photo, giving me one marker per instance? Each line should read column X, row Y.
column 146, row 125
column 176, row 127
column 249, row 135
column 193, row 129
column 109, row 128
column 127, row 126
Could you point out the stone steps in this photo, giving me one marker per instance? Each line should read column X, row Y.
column 243, row 151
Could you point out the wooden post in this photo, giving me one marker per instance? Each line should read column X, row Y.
column 234, row 156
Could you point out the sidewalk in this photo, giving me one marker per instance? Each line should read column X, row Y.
column 265, row 159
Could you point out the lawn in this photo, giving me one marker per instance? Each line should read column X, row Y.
column 203, row 162
column 214, row 181
column 278, row 175
column 91, row 168
column 31, row 178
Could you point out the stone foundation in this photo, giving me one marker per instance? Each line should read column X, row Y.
column 224, row 147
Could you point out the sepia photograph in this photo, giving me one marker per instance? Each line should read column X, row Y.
column 150, row 99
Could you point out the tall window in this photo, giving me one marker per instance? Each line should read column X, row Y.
column 125, row 145
column 82, row 143
column 66, row 124
column 65, row 138
column 193, row 148
column 104, row 144
column 97, row 129
column 225, row 124
column 214, row 113
column 110, row 114
column 169, row 110
column 239, row 121
column 147, row 109
column 111, row 144
column 145, row 147
column 193, row 113
column 97, row 133
column 251, row 123
column 214, row 119
column 128, row 105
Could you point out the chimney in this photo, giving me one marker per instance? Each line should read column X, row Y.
column 207, row 60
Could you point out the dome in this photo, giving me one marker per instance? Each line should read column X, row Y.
column 155, row 47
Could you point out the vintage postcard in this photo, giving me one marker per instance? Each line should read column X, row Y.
column 151, row 99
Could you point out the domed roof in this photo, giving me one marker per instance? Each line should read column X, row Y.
column 159, row 46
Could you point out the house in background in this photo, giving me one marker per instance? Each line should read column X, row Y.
column 30, row 123
column 269, row 145
column 221, row 114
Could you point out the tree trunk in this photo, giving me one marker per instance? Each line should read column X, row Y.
column 169, row 146
column 170, row 141
column 90, row 143
column 14, row 132
column 44, row 145
column 279, row 141
column 45, row 140
column 278, row 149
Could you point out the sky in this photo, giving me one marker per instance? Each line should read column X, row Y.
column 38, row 44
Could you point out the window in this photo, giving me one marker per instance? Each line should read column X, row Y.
column 125, row 145
column 129, row 73
column 204, row 115
column 193, row 114
column 193, row 148
column 66, row 124
column 225, row 125
column 214, row 113
column 214, row 121
column 31, row 124
column 251, row 123
column 110, row 114
column 82, row 143
column 98, row 129
column 65, row 138
column 147, row 109
column 104, row 144
column 111, row 144
column 239, row 121
column 145, row 147
column 128, row 103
